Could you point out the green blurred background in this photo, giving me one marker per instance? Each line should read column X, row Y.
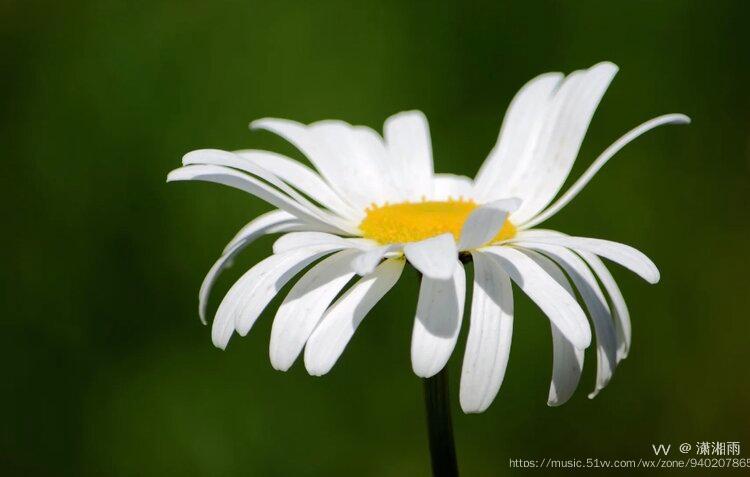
column 107, row 370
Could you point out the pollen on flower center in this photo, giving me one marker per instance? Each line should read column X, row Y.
column 415, row 221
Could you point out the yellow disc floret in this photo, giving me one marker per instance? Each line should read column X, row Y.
column 415, row 221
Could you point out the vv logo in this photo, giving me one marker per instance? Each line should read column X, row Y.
column 661, row 449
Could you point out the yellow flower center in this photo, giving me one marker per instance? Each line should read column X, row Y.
column 415, row 221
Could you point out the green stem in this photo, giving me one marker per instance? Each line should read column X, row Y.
column 439, row 427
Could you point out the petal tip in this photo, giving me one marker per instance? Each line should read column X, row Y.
column 469, row 406
column 280, row 365
column 608, row 65
column 176, row 175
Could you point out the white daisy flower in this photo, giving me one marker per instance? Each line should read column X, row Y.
column 374, row 203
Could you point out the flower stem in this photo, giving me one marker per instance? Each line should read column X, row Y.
column 439, row 427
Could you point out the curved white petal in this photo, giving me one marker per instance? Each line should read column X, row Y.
column 218, row 157
column 559, row 140
column 518, row 136
column 490, row 333
column 434, row 257
column 407, row 137
column 561, row 308
column 619, row 307
column 484, row 223
column 437, row 323
column 348, row 157
column 599, row 162
column 625, row 255
column 247, row 298
column 596, row 303
column 567, row 364
column 341, row 320
column 451, row 186
column 304, row 306
column 305, row 239
column 249, row 229
column 567, row 359
column 269, row 223
column 366, row 262
column 233, row 178
column 304, row 179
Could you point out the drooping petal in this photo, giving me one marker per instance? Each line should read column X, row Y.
column 351, row 159
column 490, row 333
column 599, row 162
column 485, row 222
column 244, row 182
column 407, row 137
column 619, row 307
column 341, row 320
column 303, row 307
column 567, row 364
column 561, row 308
column 247, row 298
column 625, row 255
column 596, row 303
column 440, row 310
column 272, row 222
column 304, row 179
column 434, row 257
column 567, row 359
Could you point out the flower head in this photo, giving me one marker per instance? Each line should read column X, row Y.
column 374, row 203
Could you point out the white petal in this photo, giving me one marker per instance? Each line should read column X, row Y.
column 269, row 223
column 366, row 262
column 304, row 306
column 619, row 308
column 567, row 364
column 559, row 139
column 490, row 333
column 484, row 223
column 440, row 310
column 596, row 303
column 341, row 320
column 625, row 255
column 556, row 302
column 451, row 186
column 281, row 217
column 247, row 298
column 564, row 199
column 407, row 136
column 305, row 239
column 518, row 134
column 244, row 182
column 567, row 359
column 435, row 257
column 304, row 179
column 218, row 157
column 347, row 157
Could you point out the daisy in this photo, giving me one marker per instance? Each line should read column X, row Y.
column 374, row 203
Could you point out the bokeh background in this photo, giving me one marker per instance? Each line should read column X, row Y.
column 106, row 368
